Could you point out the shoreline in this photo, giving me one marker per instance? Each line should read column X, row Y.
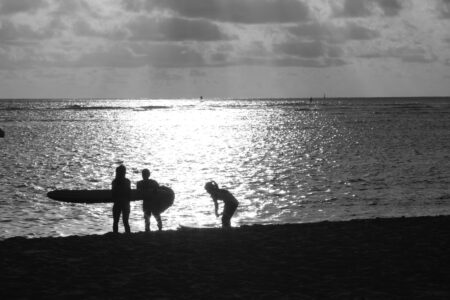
column 383, row 258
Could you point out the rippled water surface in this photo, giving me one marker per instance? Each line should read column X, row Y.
column 284, row 160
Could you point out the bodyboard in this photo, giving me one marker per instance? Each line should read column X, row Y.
column 185, row 227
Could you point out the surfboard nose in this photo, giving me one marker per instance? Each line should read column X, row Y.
column 51, row 195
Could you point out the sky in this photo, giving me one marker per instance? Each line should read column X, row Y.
column 224, row 48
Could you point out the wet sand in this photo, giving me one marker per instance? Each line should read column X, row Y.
column 402, row 258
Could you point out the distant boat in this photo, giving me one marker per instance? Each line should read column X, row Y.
column 2, row 133
column 201, row 97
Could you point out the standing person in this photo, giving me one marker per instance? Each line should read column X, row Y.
column 230, row 203
column 147, row 188
column 121, row 195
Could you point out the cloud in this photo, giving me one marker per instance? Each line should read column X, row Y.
column 405, row 54
column 21, row 33
column 164, row 75
column 219, row 58
column 78, row 8
column 443, row 7
column 308, row 50
column 5, row 61
column 353, row 8
column 200, row 33
column 390, row 8
column 310, row 63
column 156, row 55
column 14, row 58
column 293, row 62
column 83, row 28
column 315, row 54
column 9, row 7
column 333, row 34
column 115, row 57
column 366, row 8
column 197, row 73
column 174, row 29
column 233, row 11
column 174, row 56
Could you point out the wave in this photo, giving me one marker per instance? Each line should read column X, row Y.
column 338, row 105
column 12, row 108
column 410, row 106
column 82, row 107
column 151, row 107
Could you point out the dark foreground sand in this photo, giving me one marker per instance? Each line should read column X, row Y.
column 363, row 259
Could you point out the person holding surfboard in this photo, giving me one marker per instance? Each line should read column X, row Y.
column 229, row 201
column 121, row 195
column 148, row 188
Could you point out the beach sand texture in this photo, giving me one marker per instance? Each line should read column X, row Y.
column 360, row 259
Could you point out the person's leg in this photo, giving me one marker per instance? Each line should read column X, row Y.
column 125, row 217
column 228, row 212
column 158, row 220
column 116, row 217
column 147, row 221
column 226, row 221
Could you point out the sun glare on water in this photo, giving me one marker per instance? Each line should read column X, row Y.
column 183, row 148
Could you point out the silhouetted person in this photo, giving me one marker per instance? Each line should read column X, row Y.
column 148, row 188
column 121, row 195
column 2, row 133
column 230, row 203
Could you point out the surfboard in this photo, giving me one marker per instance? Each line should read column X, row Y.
column 162, row 200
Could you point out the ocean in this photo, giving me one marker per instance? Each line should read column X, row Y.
column 285, row 160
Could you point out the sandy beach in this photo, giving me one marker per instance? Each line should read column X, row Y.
column 400, row 258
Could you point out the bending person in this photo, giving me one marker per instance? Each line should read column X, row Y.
column 121, row 195
column 230, row 203
column 148, row 188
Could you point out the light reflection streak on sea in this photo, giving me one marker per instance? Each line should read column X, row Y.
column 283, row 163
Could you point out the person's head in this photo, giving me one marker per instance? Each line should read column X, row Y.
column 145, row 173
column 121, row 171
column 211, row 187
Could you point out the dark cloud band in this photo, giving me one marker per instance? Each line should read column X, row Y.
column 233, row 11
